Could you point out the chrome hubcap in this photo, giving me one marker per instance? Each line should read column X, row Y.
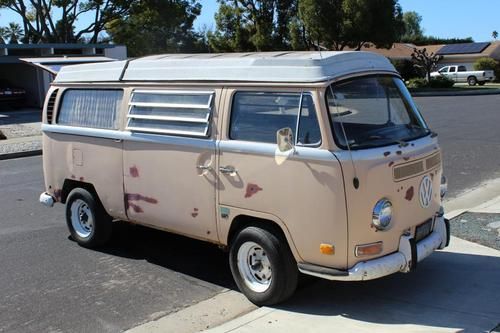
column 81, row 218
column 254, row 266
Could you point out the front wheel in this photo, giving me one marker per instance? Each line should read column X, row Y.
column 88, row 223
column 471, row 80
column 263, row 266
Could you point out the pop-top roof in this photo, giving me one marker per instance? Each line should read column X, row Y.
column 245, row 67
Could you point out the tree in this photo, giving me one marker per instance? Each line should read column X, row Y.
column 427, row 62
column 253, row 25
column 40, row 23
column 494, row 34
column 413, row 30
column 158, row 26
column 340, row 23
column 13, row 32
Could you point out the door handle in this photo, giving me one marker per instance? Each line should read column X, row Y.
column 204, row 167
column 228, row 170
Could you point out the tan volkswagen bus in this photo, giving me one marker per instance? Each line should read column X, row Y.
column 307, row 162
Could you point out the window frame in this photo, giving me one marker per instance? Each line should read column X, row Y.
column 117, row 123
column 300, row 94
column 208, row 120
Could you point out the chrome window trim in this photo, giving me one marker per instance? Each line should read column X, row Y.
column 205, row 143
column 271, row 149
column 170, row 105
column 168, row 132
column 170, row 118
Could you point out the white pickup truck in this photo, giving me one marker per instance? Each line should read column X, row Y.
column 461, row 74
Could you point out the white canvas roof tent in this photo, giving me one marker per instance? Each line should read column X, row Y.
column 293, row 67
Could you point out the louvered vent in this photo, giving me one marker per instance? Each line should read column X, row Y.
column 412, row 169
column 50, row 106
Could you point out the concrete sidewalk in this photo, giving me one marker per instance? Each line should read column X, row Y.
column 21, row 133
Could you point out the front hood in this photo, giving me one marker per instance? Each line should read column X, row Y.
column 397, row 174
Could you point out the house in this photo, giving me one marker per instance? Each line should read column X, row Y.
column 33, row 66
column 453, row 54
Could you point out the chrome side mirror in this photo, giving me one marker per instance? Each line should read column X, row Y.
column 284, row 138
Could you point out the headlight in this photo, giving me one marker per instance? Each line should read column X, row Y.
column 444, row 186
column 382, row 214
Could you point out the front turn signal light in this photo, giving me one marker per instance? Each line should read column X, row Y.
column 368, row 249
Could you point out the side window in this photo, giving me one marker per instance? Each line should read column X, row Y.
column 257, row 116
column 97, row 108
column 453, row 69
column 170, row 112
column 443, row 70
column 462, row 69
column 309, row 133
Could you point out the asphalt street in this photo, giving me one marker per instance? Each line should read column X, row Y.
column 49, row 283
column 469, row 134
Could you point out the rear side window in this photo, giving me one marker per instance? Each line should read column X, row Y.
column 462, row 69
column 90, row 108
column 170, row 112
column 257, row 116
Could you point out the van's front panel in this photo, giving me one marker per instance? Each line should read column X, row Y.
column 391, row 164
column 303, row 189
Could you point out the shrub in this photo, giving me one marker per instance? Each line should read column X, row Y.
column 417, row 83
column 485, row 63
column 407, row 69
column 441, row 82
column 437, row 82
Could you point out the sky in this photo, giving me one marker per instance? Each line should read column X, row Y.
column 441, row 18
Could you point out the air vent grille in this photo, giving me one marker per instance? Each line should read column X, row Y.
column 50, row 106
column 412, row 169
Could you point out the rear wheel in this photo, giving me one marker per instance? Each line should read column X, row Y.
column 472, row 80
column 263, row 266
column 88, row 223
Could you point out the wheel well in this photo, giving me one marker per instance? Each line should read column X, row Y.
column 70, row 184
column 241, row 222
column 472, row 76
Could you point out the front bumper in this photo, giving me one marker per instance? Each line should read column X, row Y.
column 46, row 199
column 404, row 260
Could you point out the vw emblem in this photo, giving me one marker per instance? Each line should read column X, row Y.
column 425, row 192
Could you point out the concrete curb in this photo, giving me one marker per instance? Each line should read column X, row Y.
column 475, row 92
column 20, row 154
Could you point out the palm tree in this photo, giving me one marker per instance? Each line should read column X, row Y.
column 2, row 35
column 494, row 34
column 13, row 32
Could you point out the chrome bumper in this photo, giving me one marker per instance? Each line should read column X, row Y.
column 401, row 261
column 46, row 199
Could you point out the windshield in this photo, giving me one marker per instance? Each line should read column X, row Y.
column 373, row 111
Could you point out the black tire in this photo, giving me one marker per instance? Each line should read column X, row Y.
column 283, row 266
column 482, row 83
column 472, row 80
column 86, row 207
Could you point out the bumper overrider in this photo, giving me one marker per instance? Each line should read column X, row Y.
column 404, row 260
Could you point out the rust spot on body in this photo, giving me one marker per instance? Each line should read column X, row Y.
column 391, row 163
column 73, row 176
column 58, row 195
column 195, row 212
column 409, row 194
column 252, row 189
column 82, row 179
column 387, row 153
column 406, row 158
column 129, row 197
column 134, row 171
column 399, row 152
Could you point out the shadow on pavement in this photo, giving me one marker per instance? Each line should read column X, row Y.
column 448, row 289
column 191, row 257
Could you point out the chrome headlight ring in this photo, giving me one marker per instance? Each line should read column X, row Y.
column 382, row 215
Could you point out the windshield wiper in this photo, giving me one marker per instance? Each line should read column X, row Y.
column 401, row 143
